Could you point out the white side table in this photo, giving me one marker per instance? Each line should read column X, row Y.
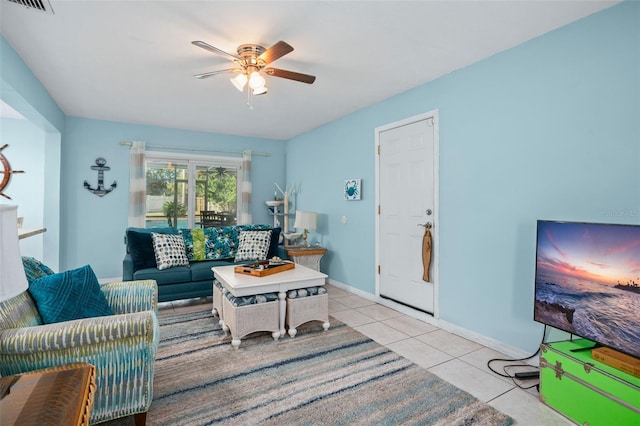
column 307, row 256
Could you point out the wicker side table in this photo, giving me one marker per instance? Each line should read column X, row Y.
column 305, row 309
column 218, row 294
column 244, row 320
column 307, row 256
column 54, row 396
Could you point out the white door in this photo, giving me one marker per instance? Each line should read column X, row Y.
column 407, row 196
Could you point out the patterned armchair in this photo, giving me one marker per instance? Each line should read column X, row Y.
column 122, row 346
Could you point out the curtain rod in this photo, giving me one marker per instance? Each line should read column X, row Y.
column 226, row 151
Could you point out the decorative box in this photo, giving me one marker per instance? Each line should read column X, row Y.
column 585, row 390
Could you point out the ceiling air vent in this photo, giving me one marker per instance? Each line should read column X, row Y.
column 41, row 5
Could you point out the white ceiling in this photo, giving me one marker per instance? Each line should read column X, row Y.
column 133, row 61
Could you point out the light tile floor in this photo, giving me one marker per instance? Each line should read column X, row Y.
column 457, row 360
column 453, row 358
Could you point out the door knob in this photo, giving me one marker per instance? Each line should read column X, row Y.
column 428, row 212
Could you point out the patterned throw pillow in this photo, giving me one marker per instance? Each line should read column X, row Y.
column 253, row 245
column 35, row 269
column 169, row 250
column 69, row 295
column 222, row 243
column 194, row 242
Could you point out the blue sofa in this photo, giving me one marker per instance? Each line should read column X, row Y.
column 195, row 280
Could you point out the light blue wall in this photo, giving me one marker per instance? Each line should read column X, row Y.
column 23, row 91
column 26, row 152
column 546, row 130
column 93, row 227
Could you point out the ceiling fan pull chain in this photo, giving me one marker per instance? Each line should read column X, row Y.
column 249, row 98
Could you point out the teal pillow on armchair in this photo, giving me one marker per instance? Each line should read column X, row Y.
column 69, row 295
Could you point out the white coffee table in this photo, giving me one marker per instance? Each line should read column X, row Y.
column 241, row 285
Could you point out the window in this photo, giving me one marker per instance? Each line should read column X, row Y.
column 186, row 191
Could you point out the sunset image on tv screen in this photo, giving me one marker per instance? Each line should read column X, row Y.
column 588, row 281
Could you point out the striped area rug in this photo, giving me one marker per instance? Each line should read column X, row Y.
column 334, row 377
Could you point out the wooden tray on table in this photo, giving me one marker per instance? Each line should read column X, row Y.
column 264, row 268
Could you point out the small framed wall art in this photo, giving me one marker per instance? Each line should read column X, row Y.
column 352, row 189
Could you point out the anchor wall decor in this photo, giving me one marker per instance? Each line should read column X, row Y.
column 101, row 167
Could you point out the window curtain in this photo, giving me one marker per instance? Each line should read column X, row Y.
column 137, row 185
column 244, row 215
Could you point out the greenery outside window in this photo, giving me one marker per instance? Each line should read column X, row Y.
column 187, row 191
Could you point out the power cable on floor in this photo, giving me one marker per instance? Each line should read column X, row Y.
column 513, row 376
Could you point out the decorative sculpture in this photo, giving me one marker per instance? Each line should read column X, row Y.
column 285, row 194
column 101, row 167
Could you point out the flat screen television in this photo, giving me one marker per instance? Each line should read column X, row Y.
column 587, row 281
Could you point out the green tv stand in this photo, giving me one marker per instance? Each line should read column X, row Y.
column 585, row 390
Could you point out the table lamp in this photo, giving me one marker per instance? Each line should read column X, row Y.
column 13, row 280
column 306, row 221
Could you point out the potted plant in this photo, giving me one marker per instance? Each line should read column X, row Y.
column 172, row 210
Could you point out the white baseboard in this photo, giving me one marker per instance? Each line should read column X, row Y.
column 502, row 347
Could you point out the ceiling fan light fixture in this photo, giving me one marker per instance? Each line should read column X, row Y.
column 250, row 61
column 260, row 90
column 256, row 81
column 239, row 81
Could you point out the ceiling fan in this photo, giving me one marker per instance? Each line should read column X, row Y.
column 251, row 61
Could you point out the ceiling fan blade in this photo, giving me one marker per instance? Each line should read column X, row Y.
column 209, row 74
column 276, row 51
column 212, row 49
column 291, row 75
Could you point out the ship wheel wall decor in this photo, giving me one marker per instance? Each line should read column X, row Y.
column 5, row 172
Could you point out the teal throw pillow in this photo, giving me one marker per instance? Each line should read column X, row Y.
column 273, row 245
column 222, row 243
column 69, row 295
column 140, row 245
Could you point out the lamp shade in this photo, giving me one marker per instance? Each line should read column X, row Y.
column 260, row 90
column 239, row 81
column 256, row 81
column 13, row 280
column 306, row 220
